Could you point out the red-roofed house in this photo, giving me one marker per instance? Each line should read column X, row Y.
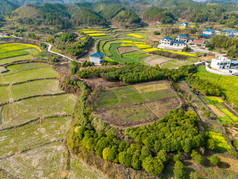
column 200, row 42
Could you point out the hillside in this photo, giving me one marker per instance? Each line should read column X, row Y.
column 6, row 7
column 57, row 14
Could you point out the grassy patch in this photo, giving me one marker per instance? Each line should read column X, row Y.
column 33, row 134
column 23, row 111
column 35, row 88
column 172, row 64
column 214, row 100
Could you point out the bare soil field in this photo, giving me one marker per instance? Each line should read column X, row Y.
column 155, row 60
column 217, row 112
column 123, row 50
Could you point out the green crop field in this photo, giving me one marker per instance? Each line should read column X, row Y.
column 158, row 95
column 228, row 84
column 134, row 57
column 24, row 67
column 33, row 134
column 47, row 72
column 23, row 111
column 14, row 59
column 35, row 88
column 13, row 54
column 123, row 96
column 220, row 142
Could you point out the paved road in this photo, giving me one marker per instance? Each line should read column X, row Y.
column 49, row 50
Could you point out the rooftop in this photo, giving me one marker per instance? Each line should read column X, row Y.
column 97, row 54
column 206, row 35
column 209, row 30
column 168, row 38
column 183, row 35
column 178, row 42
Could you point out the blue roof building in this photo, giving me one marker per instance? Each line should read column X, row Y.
column 167, row 38
column 97, row 58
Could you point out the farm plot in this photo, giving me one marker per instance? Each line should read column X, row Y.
column 4, row 94
column 133, row 57
column 29, row 109
column 24, row 67
column 155, row 60
column 136, row 105
column 220, row 141
column 33, row 88
column 79, row 170
column 172, row 64
column 40, row 73
column 14, row 59
column 123, row 50
column 32, row 135
column 48, row 161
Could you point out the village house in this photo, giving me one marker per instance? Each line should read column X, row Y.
column 182, row 37
column 208, row 33
column 179, row 44
column 97, row 58
column 223, row 63
column 201, row 43
column 166, row 41
column 230, row 33
column 4, row 34
column 184, row 25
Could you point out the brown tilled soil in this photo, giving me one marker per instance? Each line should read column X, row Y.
column 216, row 111
column 123, row 50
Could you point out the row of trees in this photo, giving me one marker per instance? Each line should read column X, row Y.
column 131, row 73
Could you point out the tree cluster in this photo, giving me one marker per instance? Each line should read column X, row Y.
column 204, row 86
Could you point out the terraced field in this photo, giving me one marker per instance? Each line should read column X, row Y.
column 34, row 119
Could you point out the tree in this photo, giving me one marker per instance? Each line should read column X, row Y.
column 162, row 155
column 136, row 162
column 105, row 153
column 179, row 170
column 215, row 160
column 153, row 166
column 236, row 144
column 113, row 154
column 210, row 144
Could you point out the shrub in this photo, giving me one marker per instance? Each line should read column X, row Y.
column 156, row 33
column 211, row 144
column 176, row 158
column 215, row 160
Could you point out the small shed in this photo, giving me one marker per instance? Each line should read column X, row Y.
column 97, row 58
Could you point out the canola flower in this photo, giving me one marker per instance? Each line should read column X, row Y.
column 179, row 53
column 95, row 35
column 215, row 99
column 230, row 115
column 135, row 35
column 220, row 141
column 143, row 46
column 18, row 46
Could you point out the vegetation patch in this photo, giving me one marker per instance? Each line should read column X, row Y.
column 220, row 142
column 228, row 84
column 135, row 35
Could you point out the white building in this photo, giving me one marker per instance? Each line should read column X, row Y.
column 221, row 63
column 182, row 37
column 185, row 25
column 97, row 58
column 166, row 41
column 208, row 33
column 179, row 44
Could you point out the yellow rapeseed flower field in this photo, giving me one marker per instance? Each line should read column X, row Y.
column 220, row 141
column 230, row 115
column 135, row 35
column 95, row 35
column 179, row 53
